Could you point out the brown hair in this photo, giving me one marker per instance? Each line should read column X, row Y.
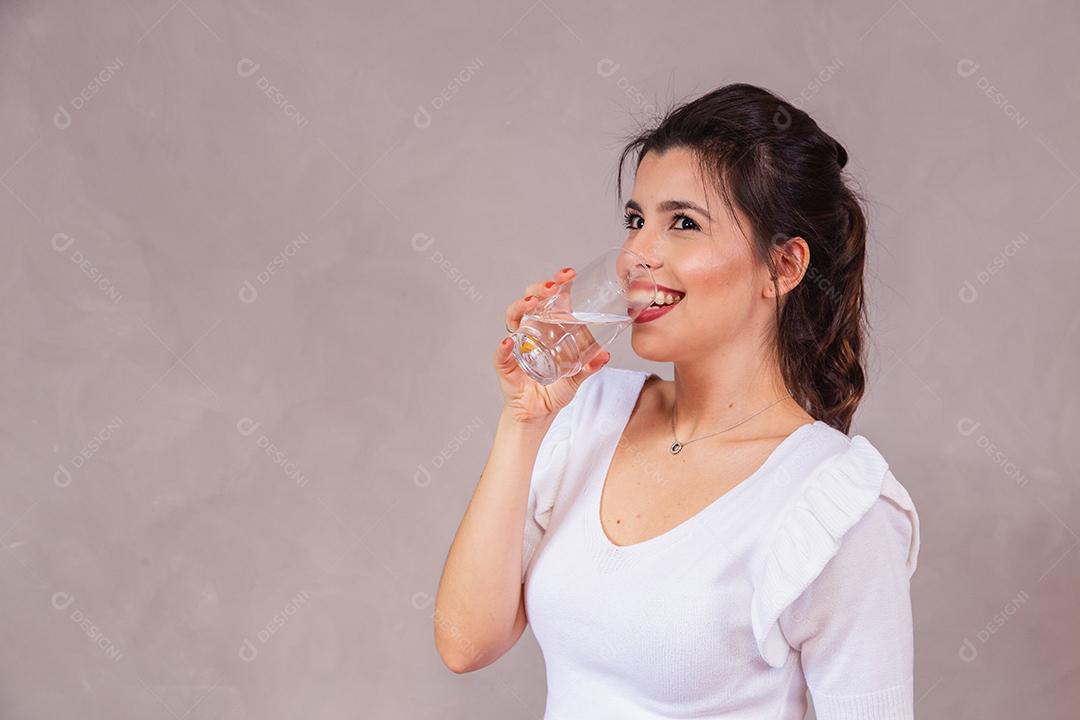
column 770, row 160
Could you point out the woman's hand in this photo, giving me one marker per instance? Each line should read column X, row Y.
column 528, row 400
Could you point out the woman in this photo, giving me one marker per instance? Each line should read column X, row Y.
column 712, row 546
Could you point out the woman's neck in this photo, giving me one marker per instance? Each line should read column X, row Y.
column 722, row 391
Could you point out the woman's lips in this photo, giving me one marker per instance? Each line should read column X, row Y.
column 653, row 311
column 641, row 293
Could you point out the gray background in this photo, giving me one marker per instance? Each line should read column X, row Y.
column 256, row 258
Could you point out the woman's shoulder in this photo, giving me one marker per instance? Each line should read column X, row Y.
column 849, row 466
column 838, row 480
column 845, row 482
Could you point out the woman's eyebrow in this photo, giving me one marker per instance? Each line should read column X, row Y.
column 671, row 206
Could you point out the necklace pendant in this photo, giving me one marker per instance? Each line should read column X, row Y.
column 676, row 447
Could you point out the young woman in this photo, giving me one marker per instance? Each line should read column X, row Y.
column 712, row 546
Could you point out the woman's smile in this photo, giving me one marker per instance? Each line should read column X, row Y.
column 655, row 311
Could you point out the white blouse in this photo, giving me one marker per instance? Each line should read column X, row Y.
column 796, row 578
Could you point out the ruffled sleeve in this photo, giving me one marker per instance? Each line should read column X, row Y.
column 547, row 475
column 855, row 517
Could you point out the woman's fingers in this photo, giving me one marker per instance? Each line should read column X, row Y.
column 591, row 368
column 549, row 287
column 598, row 362
column 534, row 294
column 517, row 309
column 563, row 304
column 504, row 360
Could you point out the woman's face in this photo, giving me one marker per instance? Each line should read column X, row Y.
column 680, row 226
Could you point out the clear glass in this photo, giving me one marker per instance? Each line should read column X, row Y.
column 563, row 333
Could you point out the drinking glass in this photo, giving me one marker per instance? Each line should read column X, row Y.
column 567, row 330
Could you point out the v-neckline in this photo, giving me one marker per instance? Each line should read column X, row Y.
column 670, row 536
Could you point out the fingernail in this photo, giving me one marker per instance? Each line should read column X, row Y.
column 566, row 269
column 528, row 298
column 506, row 341
column 549, row 283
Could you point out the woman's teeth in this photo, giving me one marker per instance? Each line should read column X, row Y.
column 666, row 299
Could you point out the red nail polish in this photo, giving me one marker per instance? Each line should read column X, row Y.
column 566, row 269
column 528, row 298
column 550, row 283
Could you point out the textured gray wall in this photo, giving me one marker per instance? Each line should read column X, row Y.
column 256, row 257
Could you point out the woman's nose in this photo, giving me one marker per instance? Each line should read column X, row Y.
column 645, row 248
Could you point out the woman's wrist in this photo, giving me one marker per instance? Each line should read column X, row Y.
column 509, row 421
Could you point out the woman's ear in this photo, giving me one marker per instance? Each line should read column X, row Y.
column 791, row 259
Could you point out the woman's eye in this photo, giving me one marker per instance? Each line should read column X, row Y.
column 682, row 222
column 690, row 226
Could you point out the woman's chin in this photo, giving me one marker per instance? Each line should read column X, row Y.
column 650, row 346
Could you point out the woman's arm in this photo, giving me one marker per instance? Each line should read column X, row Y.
column 479, row 607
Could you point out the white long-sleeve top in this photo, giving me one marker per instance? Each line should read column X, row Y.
column 796, row 578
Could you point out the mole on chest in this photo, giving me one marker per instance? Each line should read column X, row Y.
column 636, row 510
